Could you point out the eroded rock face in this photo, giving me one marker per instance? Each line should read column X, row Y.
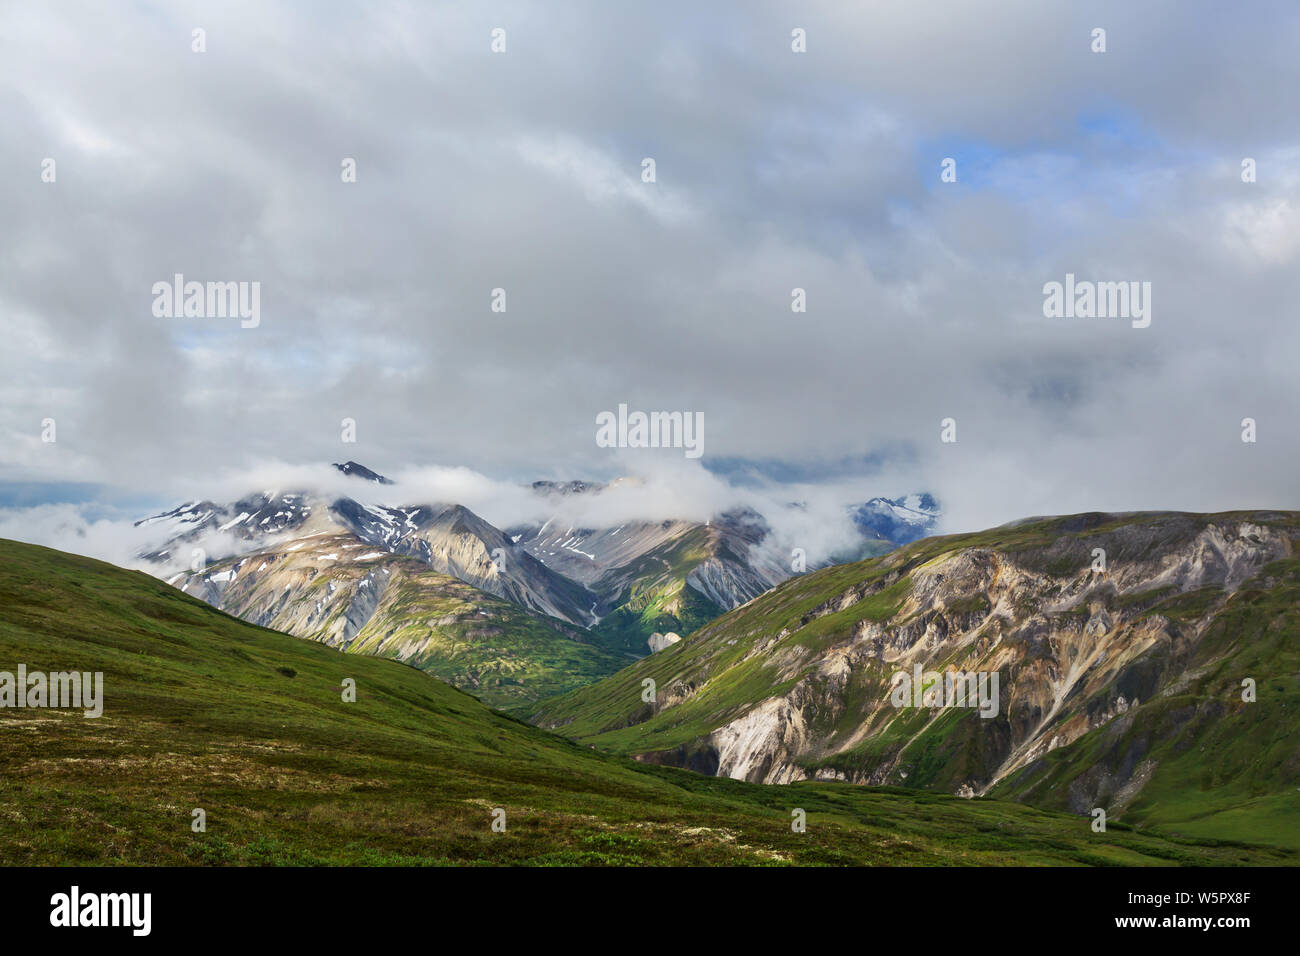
column 764, row 744
column 1075, row 648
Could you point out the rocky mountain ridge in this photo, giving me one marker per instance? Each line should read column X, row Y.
column 1121, row 643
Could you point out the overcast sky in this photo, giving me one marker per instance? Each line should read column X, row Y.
column 522, row 170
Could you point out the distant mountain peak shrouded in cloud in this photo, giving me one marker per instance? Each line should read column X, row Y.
column 619, row 560
column 567, row 487
column 899, row 520
column 361, row 471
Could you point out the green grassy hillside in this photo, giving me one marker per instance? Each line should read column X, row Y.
column 202, row 710
column 1121, row 689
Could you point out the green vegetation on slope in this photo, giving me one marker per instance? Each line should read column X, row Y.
column 506, row 661
column 658, row 599
column 676, row 609
column 202, row 710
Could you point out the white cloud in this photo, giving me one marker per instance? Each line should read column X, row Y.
column 775, row 170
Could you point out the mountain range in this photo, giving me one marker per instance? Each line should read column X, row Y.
column 299, row 755
column 549, row 606
column 1142, row 664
